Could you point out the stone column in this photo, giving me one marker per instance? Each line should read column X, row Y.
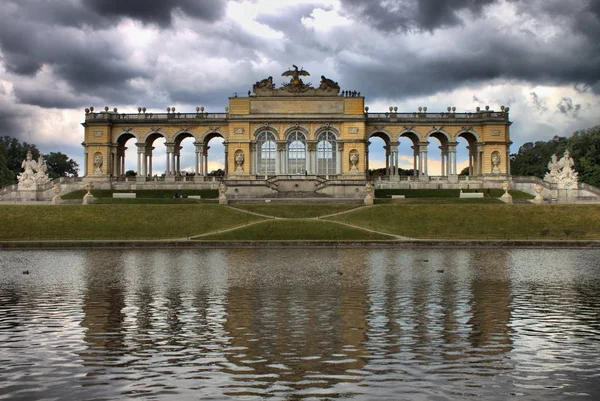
column 415, row 160
column 85, row 164
column 507, row 162
column 115, row 161
column 393, row 159
column 452, row 174
column 205, row 156
column 444, row 155
column 170, row 158
column 312, row 157
column 367, row 157
column 199, row 150
column 340, row 160
column 280, row 147
column 141, row 152
column 423, row 158
column 252, row 158
column 387, row 160
column 226, row 146
column 479, row 159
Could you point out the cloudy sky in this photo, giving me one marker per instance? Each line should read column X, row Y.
column 540, row 57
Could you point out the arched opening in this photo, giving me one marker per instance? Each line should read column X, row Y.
column 326, row 153
column 408, row 151
column 296, row 153
column 154, row 163
column 212, row 162
column 124, row 159
column 378, row 155
column 468, row 155
column 184, row 152
column 266, row 153
column 437, row 163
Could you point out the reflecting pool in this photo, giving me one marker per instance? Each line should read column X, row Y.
column 291, row 324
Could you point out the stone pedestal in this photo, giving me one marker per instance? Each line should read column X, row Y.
column 507, row 198
column 56, row 200
column 368, row 200
column 538, row 200
column 87, row 199
column 223, row 200
column 28, row 195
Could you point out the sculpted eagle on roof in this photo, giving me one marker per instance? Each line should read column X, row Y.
column 295, row 74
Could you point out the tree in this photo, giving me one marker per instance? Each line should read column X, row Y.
column 15, row 152
column 584, row 146
column 464, row 171
column 7, row 177
column 130, row 173
column 59, row 165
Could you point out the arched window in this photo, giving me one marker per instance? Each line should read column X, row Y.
column 266, row 151
column 326, row 153
column 296, row 153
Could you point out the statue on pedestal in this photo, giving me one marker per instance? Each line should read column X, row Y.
column 561, row 171
column 222, row 197
column 354, row 161
column 239, row 161
column 370, row 189
column 34, row 173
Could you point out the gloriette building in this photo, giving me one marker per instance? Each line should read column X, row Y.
column 296, row 137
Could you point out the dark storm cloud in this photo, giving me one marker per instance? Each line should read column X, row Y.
column 158, row 11
column 395, row 15
column 539, row 104
column 567, row 107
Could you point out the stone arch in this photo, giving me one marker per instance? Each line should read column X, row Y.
column 328, row 127
column 470, row 135
column 153, row 134
column 474, row 151
column 126, row 134
column 266, row 127
column 296, row 127
column 186, row 134
column 387, row 139
column 440, row 134
column 210, row 134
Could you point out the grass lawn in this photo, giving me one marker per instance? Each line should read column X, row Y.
column 480, row 221
column 295, row 211
column 296, row 229
column 89, row 222
column 447, row 193
column 145, row 193
column 438, row 201
column 153, row 201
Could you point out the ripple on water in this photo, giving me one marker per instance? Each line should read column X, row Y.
column 283, row 324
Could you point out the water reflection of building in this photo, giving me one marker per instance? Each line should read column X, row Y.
column 422, row 317
column 295, row 331
column 103, row 304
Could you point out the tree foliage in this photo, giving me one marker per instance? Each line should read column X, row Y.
column 60, row 165
column 584, row 146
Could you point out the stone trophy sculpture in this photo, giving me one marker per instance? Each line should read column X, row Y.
column 370, row 190
column 34, row 173
column 222, row 197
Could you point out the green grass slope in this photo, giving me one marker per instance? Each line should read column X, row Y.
column 480, row 221
column 125, row 222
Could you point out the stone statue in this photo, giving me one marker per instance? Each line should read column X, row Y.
column 353, row 161
column 222, row 197
column 496, row 163
column 566, row 163
column 56, row 199
column 265, row 85
column 34, row 172
column 239, row 161
column 88, row 197
column 370, row 190
column 329, row 85
column 553, row 175
column 506, row 198
column 538, row 200
column 296, row 84
column 561, row 171
column 98, row 161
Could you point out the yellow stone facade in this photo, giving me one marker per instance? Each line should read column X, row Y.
column 257, row 131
